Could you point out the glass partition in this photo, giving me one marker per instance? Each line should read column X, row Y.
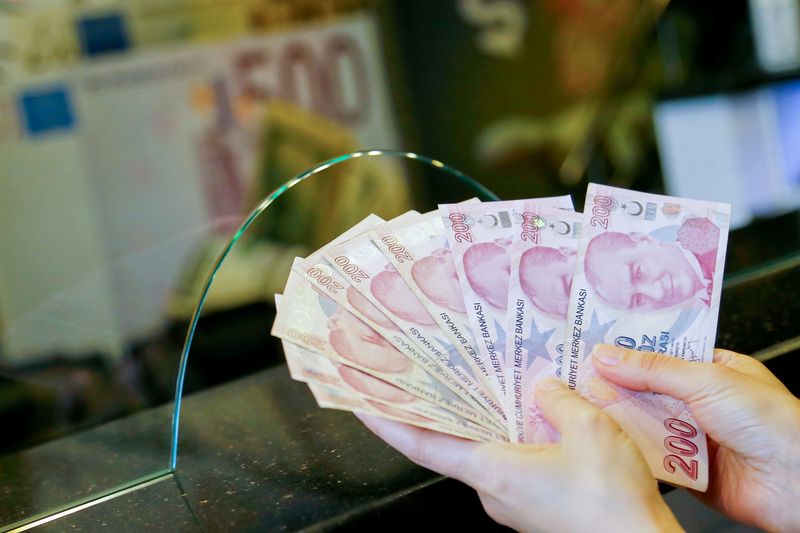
column 112, row 459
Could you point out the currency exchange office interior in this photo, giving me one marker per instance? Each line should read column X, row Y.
column 136, row 136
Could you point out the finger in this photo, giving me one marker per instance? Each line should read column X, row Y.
column 645, row 371
column 746, row 365
column 571, row 415
column 445, row 454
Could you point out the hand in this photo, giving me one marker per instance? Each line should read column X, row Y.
column 751, row 419
column 595, row 479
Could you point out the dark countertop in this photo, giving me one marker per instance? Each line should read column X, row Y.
column 257, row 454
column 260, row 453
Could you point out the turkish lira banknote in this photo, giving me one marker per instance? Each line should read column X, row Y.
column 418, row 250
column 542, row 259
column 648, row 276
column 309, row 367
column 479, row 236
column 332, row 283
column 313, row 320
column 365, row 267
column 447, row 320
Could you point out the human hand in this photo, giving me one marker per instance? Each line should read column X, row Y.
column 594, row 479
column 751, row 419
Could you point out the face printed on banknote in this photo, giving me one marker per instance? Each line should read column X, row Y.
column 315, row 369
column 367, row 308
column 545, row 276
column 354, row 341
column 637, row 271
column 487, row 267
column 648, row 277
column 542, row 259
column 372, row 386
column 479, row 236
column 418, row 251
column 389, row 288
column 436, row 277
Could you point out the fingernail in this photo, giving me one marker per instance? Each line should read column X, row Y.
column 549, row 384
column 607, row 354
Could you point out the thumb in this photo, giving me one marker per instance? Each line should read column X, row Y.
column 647, row 371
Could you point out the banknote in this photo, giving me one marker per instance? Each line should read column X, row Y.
column 316, row 270
column 331, row 398
column 419, row 252
column 479, row 236
column 542, row 259
column 37, row 39
column 316, row 322
column 364, row 267
column 330, row 282
column 648, row 276
column 309, row 367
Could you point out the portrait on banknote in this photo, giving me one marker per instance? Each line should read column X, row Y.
column 368, row 309
column 638, row 271
column 355, row 341
column 372, row 386
column 436, row 276
column 487, row 267
column 389, row 288
column 545, row 276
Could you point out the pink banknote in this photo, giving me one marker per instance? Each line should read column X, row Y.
column 333, row 398
column 542, row 255
column 479, row 236
column 309, row 367
column 419, row 251
column 372, row 274
column 331, row 283
column 316, row 322
column 648, row 276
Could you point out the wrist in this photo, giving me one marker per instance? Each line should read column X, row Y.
column 789, row 511
column 661, row 518
column 650, row 516
column 781, row 512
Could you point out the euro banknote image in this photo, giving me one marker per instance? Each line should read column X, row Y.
column 447, row 320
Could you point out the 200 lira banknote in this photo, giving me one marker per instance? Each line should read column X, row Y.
column 542, row 259
column 364, row 267
column 309, row 367
column 648, row 276
column 313, row 320
column 479, row 236
column 418, row 250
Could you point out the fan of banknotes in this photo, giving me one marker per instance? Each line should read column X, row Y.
column 447, row 320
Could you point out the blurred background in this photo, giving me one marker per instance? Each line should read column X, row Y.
column 135, row 135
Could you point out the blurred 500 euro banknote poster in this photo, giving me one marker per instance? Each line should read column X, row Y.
column 648, row 276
